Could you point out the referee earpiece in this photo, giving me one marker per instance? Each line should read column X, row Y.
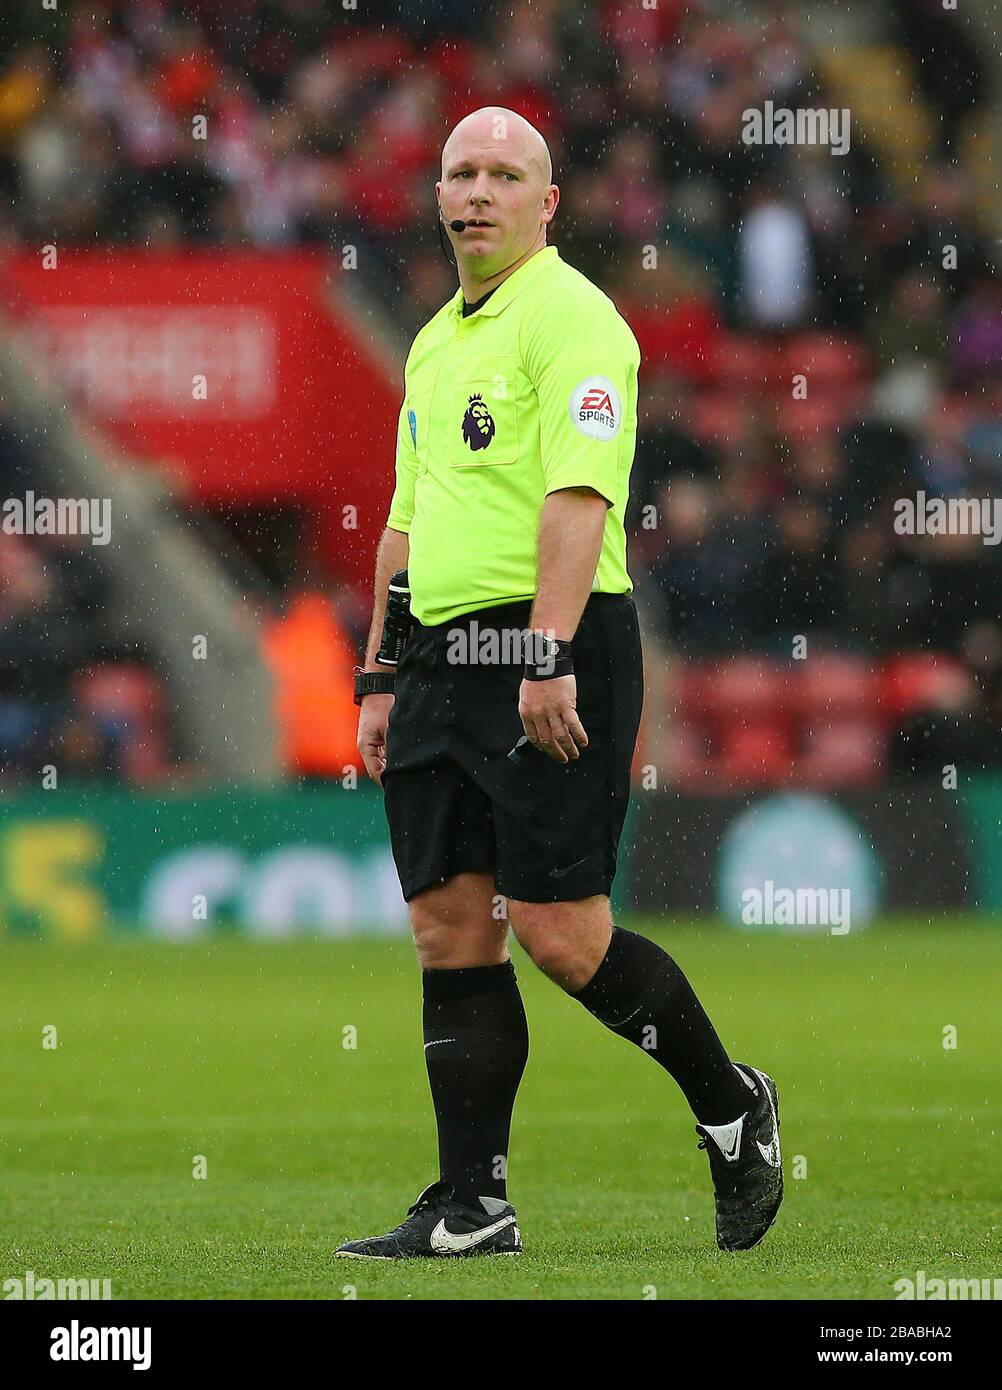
column 443, row 240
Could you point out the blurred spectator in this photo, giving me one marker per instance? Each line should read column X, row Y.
column 709, row 565
column 945, row 61
column 910, row 325
column 977, row 331
column 776, row 286
column 799, row 585
column 311, row 660
column 52, row 594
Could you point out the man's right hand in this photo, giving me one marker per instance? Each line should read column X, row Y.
column 373, row 717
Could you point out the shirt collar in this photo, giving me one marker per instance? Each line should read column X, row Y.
column 508, row 289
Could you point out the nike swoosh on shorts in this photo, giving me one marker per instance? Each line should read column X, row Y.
column 559, row 873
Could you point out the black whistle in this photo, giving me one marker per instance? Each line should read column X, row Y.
column 519, row 751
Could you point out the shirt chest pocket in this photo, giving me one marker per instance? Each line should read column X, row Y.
column 482, row 413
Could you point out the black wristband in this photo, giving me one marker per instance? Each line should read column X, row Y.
column 547, row 658
column 372, row 683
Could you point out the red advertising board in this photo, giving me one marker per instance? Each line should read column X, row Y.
column 241, row 373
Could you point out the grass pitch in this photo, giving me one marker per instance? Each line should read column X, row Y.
column 235, row 1052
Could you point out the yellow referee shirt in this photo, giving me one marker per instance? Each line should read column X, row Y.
column 534, row 391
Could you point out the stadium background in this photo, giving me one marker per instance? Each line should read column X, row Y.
column 282, row 250
column 205, row 322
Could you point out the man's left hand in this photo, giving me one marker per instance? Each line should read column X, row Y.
column 549, row 717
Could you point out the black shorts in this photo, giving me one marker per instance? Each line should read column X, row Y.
column 456, row 803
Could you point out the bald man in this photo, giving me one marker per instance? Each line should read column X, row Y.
column 504, row 740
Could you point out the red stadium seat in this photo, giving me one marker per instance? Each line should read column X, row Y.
column 689, row 762
column 683, row 339
column 748, row 362
column 821, row 413
column 842, row 753
column 718, row 415
column 757, row 753
column 748, row 688
column 922, row 680
column 692, row 684
column 826, row 361
column 847, row 685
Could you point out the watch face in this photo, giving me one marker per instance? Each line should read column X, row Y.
column 543, row 649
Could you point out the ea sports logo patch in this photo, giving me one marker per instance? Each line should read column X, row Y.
column 595, row 408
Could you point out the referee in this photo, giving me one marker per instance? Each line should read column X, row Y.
column 504, row 741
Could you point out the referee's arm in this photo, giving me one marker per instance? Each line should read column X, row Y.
column 571, row 528
column 374, row 713
column 585, row 470
column 392, row 555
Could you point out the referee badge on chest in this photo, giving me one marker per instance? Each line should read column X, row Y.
column 478, row 423
column 484, row 414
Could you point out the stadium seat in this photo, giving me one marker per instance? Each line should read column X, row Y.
column 748, row 688
column 842, row 753
column 756, row 753
column 922, row 680
column 825, row 360
column 683, row 339
column 821, row 413
column 838, row 684
column 718, row 415
column 691, row 683
column 748, row 362
column 689, row 762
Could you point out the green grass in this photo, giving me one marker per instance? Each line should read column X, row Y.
column 233, row 1050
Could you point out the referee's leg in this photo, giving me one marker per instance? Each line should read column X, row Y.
column 638, row 991
column 476, row 1040
column 626, row 980
column 454, row 926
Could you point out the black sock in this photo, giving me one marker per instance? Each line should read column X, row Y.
column 476, row 1043
column 640, row 993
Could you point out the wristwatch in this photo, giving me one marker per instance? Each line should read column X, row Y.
column 372, row 683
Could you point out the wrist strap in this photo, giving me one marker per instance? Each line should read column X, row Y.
column 372, row 683
column 547, row 658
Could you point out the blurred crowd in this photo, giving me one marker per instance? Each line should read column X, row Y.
column 760, row 511
column 75, row 702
